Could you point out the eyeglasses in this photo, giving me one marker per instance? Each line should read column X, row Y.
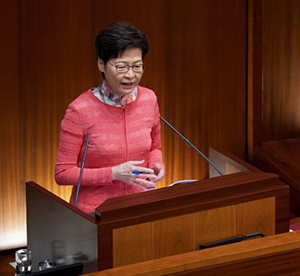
column 137, row 68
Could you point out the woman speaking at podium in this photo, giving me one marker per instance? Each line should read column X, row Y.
column 119, row 119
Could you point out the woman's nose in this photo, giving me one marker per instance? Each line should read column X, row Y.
column 130, row 73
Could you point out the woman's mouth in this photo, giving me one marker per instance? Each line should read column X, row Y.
column 127, row 85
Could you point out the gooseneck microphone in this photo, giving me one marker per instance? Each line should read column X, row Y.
column 82, row 166
column 191, row 145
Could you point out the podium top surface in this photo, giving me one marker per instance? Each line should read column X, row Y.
column 182, row 199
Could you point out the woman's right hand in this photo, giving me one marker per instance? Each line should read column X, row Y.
column 124, row 173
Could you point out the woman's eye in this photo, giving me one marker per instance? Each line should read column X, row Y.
column 121, row 68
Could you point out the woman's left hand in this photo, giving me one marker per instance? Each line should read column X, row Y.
column 159, row 170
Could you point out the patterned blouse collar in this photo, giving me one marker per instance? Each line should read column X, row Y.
column 105, row 94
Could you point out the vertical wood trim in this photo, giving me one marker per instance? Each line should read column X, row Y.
column 105, row 248
column 254, row 77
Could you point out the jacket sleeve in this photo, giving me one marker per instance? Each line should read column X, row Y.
column 70, row 151
column 155, row 155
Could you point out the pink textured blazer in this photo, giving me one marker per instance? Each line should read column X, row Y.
column 117, row 135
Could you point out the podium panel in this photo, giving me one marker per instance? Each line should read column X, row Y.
column 215, row 224
column 174, row 235
column 133, row 244
column 181, row 234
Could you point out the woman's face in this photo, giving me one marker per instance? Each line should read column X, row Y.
column 122, row 83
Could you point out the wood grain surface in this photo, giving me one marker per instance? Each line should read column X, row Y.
column 197, row 65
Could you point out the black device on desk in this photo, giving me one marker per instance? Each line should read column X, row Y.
column 230, row 240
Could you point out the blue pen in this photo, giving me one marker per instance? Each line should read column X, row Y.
column 136, row 172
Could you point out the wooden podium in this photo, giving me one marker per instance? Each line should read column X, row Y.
column 157, row 223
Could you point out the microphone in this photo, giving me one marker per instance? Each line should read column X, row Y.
column 82, row 166
column 191, row 145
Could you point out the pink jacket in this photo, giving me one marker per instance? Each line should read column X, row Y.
column 117, row 135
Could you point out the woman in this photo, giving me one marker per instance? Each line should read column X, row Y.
column 123, row 123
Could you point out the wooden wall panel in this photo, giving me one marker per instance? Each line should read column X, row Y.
column 196, row 66
column 205, row 82
column 56, row 56
column 12, row 191
column 281, row 70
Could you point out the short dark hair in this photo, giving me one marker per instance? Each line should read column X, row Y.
column 117, row 37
